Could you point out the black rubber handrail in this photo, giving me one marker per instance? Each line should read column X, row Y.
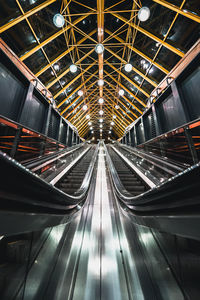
column 23, row 190
column 40, row 162
column 178, row 193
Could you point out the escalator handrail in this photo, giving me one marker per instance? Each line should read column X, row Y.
column 40, row 162
column 30, row 190
column 174, row 193
column 155, row 160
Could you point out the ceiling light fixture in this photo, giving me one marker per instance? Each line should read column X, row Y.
column 112, row 123
column 109, row 131
column 85, row 107
column 58, row 20
column 101, row 120
column 99, row 48
column 121, row 92
column 91, row 128
column 128, row 68
column 101, row 130
column 87, row 117
column 80, row 93
column 100, row 82
column 114, row 117
column 89, row 123
column 101, row 112
column 92, row 131
column 73, row 68
column 101, row 100
column 56, row 67
column 144, row 14
column 101, row 126
column 117, row 106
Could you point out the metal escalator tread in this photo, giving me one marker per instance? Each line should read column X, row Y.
column 132, row 183
column 72, row 181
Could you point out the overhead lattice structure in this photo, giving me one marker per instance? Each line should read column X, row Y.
column 100, row 59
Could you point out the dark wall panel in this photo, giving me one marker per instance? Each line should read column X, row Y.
column 33, row 114
column 190, row 92
column 54, row 125
column 12, row 92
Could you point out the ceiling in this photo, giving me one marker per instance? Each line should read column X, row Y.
column 152, row 47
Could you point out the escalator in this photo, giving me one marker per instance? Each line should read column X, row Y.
column 130, row 180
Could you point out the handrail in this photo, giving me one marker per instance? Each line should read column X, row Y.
column 174, row 193
column 41, row 162
column 154, row 160
column 31, row 192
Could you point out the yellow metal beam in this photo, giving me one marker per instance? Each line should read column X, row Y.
column 150, row 35
column 134, row 69
column 83, row 100
column 67, row 71
column 129, row 80
column 74, row 91
column 50, row 39
column 26, row 15
column 139, row 53
column 64, row 54
column 135, row 97
column 181, row 11
column 72, row 81
column 123, row 104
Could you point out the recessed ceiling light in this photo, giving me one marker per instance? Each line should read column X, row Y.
column 101, row 120
column 128, row 68
column 85, row 107
column 114, row 117
column 99, row 48
column 109, row 131
column 73, row 68
column 58, row 20
column 91, row 128
column 100, row 82
column 117, row 106
column 80, row 93
column 121, row 92
column 101, row 126
column 101, row 112
column 101, row 100
column 101, row 130
column 88, row 116
column 89, row 123
column 112, row 123
column 56, row 67
column 144, row 14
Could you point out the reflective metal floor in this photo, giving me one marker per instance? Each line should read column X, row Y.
column 101, row 255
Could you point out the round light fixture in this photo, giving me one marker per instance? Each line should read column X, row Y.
column 112, row 123
column 89, row 123
column 101, row 130
column 101, row 112
column 91, row 128
column 100, row 82
column 101, row 126
column 109, row 131
column 117, row 106
column 101, row 120
column 80, row 93
column 73, row 68
column 92, row 131
column 56, row 67
column 85, row 107
column 121, row 92
column 87, row 117
column 101, row 100
column 144, row 14
column 114, row 117
column 99, row 48
column 128, row 68
column 58, row 20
